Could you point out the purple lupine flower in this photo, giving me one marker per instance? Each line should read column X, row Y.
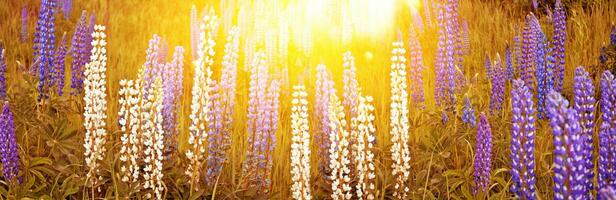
column 194, row 33
column 80, row 54
column 273, row 116
column 24, row 25
column 67, row 5
column 541, row 71
column 498, row 86
column 450, row 51
column 2, row 73
column 59, row 64
column 517, row 56
column 535, row 4
column 44, row 46
column 522, row 141
column 466, row 40
column 559, row 38
column 607, row 133
column 570, row 169
column 483, row 155
column 488, row 66
column 216, row 154
column 8, row 144
column 172, row 87
column 607, row 193
column 163, row 51
column 324, row 89
column 89, row 32
column 152, row 63
column 416, row 70
column 509, row 63
column 603, row 55
column 613, row 36
column 351, row 87
column 584, row 105
column 439, row 62
column 444, row 117
column 529, row 45
column 468, row 112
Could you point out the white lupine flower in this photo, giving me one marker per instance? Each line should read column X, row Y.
column 201, row 100
column 399, row 121
column 339, row 151
column 130, row 99
column 300, row 148
column 95, row 104
column 153, row 137
column 364, row 134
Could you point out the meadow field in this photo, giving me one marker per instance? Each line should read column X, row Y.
column 308, row 99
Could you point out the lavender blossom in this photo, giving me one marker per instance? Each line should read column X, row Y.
column 152, row 63
column 439, row 62
column 517, row 56
column 584, row 105
column 529, row 50
column 541, row 71
column 23, row 37
column 44, row 43
column 67, row 5
column 172, row 88
column 416, row 70
column 522, row 141
column 216, row 154
column 59, row 66
column 468, row 113
column 325, row 88
column 559, row 38
column 89, row 38
column 509, row 64
column 498, row 86
column 570, row 169
column 8, row 145
column 607, row 133
column 483, row 155
column 2, row 73
column 488, row 66
column 80, row 55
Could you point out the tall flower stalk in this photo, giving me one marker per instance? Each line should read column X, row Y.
column 607, row 133
column 559, row 38
column 483, row 155
column 416, row 70
column 44, row 46
column 363, row 156
column 8, row 145
column 2, row 73
column 95, row 105
column 399, row 121
column 23, row 37
column 324, row 89
column 59, row 66
column 528, row 56
column 173, row 89
column 468, row 112
column 351, row 87
column 153, row 141
column 497, row 94
column 300, row 148
column 131, row 121
column 584, row 105
column 523, row 141
column 339, row 160
column 79, row 53
column 570, row 168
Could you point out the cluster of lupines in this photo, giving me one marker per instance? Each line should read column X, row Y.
column 522, row 141
column 339, row 151
column 8, row 145
column 262, row 124
column 95, row 105
column 497, row 94
column 363, row 156
column 399, row 121
column 23, row 37
column 44, row 46
column 559, row 38
column 224, row 102
column 201, row 102
column 570, row 169
column 483, row 155
column 468, row 112
column 324, row 88
column 80, row 54
column 2, row 72
column 351, row 87
column 416, row 70
column 607, row 133
column 300, row 149
column 57, row 75
column 584, row 105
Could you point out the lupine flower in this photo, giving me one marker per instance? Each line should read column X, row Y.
column 95, row 104
column 529, row 45
column 268, row 140
column 607, row 133
column 300, row 149
column 450, row 51
column 8, row 145
column 129, row 119
column 215, row 156
column 559, row 38
column 466, row 38
column 517, row 56
column 59, row 66
column 324, row 89
column 584, row 105
column 89, row 32
column 427, row 13
column 339, row 161
column 483, row 155
column 498, row 86
column 153, row 141
column 2, row 73
column 152, row 63
column 44, row 45
column 613, row 36
column 67, row 5
column 416, row 70
column 363, row 156
column 509, row 64
column 607, row 193
column 468, row 113
column 570, row 172
column 488, row 66
column 399, row 121
column 441, row 72
column 80, row 54
column 201, row 103
column 541, row 71
column 24, row 24
column 172, row 87
column 417, row 20
column 522, row 141
column 351, row 87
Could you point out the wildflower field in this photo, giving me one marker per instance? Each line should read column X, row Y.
column 308, row 99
